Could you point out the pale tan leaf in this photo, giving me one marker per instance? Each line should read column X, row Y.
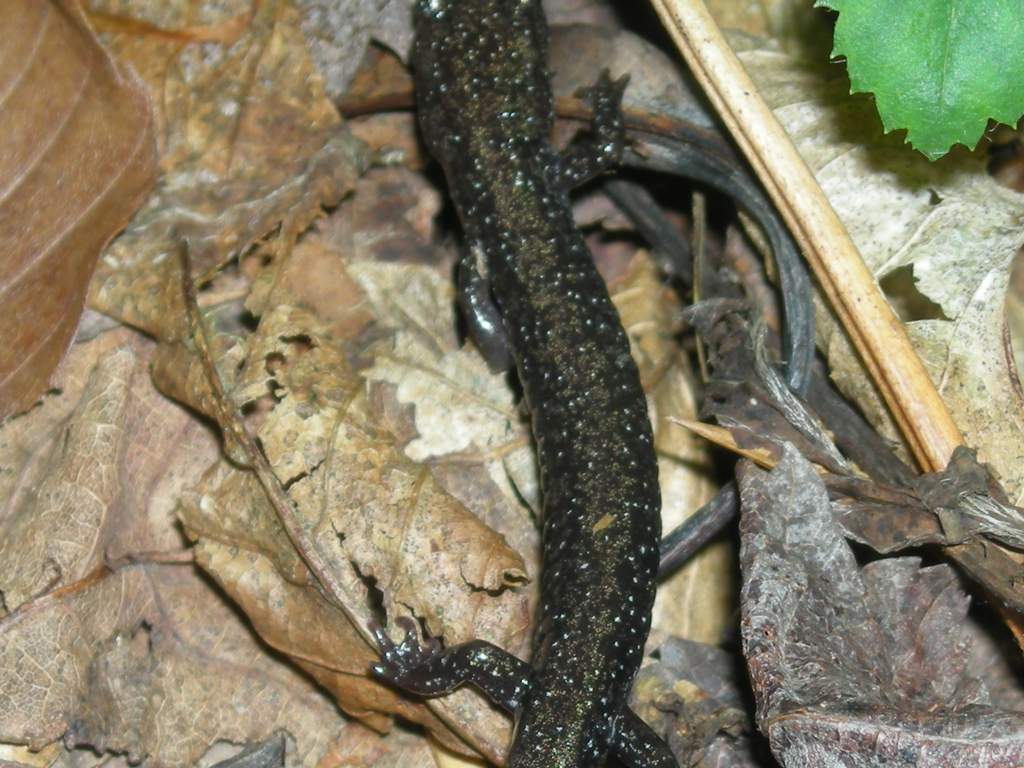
column 726, row 439
column 124, row 661
column 460, row 405
column 300, row 623
column 94, row 473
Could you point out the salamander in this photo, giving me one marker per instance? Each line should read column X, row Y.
column 486, row 111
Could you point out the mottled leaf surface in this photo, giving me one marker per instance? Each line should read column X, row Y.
column 122, row 659
column 852, row 666
column 93, row 473
column 252, row 148
column 124, row 662
column 372, row 515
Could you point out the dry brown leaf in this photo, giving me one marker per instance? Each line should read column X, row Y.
column 251, row 149
column 299, row 622
column 124, row 661
column 453, row 412
column 77, row 158
column 368, row 512
column 93, row 472
column 389, row 217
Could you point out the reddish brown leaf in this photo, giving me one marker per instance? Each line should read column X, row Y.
column 76, row 159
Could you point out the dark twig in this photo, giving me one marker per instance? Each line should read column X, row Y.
column 698, row 529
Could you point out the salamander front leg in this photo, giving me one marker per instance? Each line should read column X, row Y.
column 429, row 670
column 585, row 158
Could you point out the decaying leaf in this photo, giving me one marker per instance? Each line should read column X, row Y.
column 123, row 661
column 77, row 158
column 855, row 666
column 94, row 472
column 373, row 516
column 252, row 149
column 947, row 226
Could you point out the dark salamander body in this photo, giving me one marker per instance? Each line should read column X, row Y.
column 486, row 111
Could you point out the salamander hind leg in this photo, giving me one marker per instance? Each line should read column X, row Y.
column 637, row 746
column 429, row 670
column 602, row 149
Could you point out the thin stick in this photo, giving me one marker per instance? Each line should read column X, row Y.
column 870, row 323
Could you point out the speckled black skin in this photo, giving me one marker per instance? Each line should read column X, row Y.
column 485, row 108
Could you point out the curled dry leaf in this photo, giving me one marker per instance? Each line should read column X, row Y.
column 852, row 666
column 77, row 158
column 251, row 151
column 939, row 237
column 380, row 522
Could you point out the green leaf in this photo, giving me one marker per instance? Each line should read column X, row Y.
column 939, row 68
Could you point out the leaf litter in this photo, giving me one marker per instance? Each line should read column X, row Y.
column 408, row 469
column 78, row 159
column 856, row 665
